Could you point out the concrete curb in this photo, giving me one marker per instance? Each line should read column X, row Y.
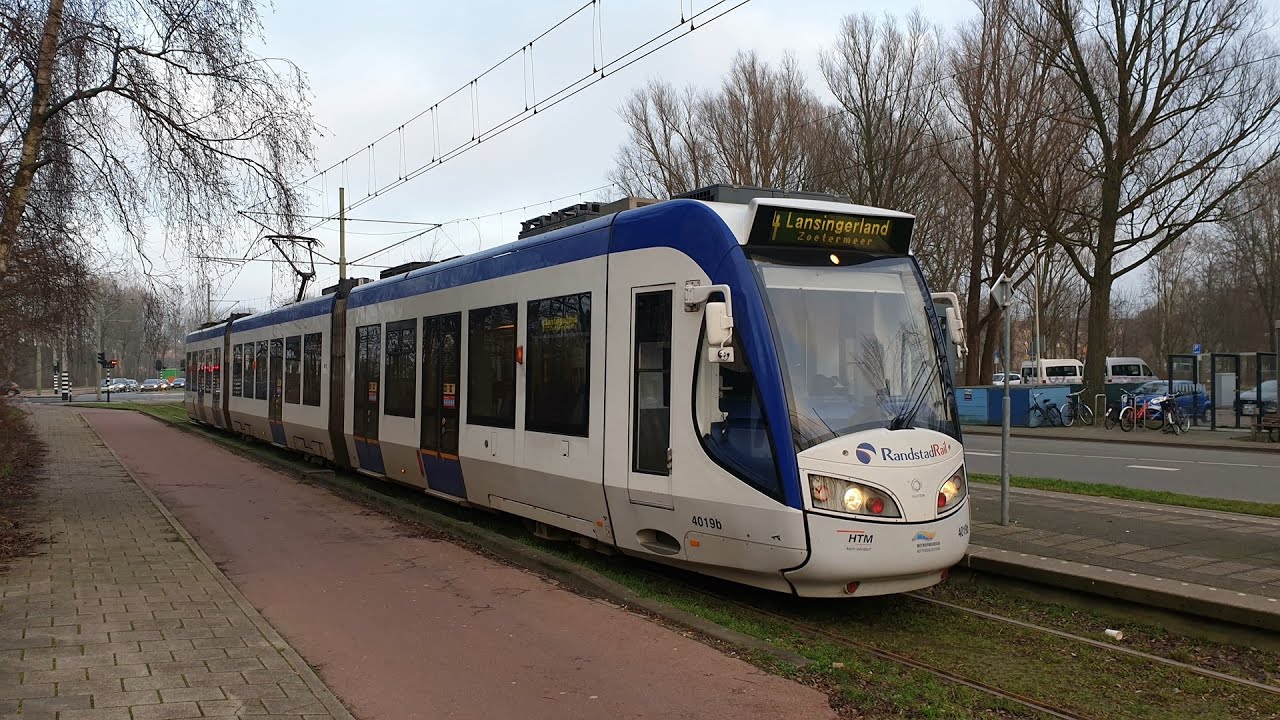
column 300, row 666
column 1126, row 439
column 581, row 579
column 1199, row 600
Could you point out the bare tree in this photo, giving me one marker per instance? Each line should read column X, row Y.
column 153, row 108
column 761, row 123
column 886, row 79
column 757, row 129
column 881, row 147
column 667, row 152
column 994, row 102
column 1251, row 244
column 1181, row 102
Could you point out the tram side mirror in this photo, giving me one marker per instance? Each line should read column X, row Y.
column 719, row 332
column 955, row 327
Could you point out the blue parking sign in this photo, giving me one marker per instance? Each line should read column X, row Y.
column 1197, row 349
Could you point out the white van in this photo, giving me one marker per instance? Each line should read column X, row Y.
column 1129, row 370
column 1055, row 372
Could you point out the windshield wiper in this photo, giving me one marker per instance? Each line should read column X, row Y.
column 915, row 399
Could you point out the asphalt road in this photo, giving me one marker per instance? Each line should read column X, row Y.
column 1230, row 474
column 162, row 396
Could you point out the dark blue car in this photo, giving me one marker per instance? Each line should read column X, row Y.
column 1192, row 397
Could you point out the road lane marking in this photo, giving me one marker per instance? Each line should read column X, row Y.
column 1153, row 467
column 1206, row 462
column 983, row 454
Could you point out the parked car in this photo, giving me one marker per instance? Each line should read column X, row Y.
column 178, row 383
column 1248, row 402
column 1193, row 398
column 998, row 379
column 9, row 388
column 153, row 385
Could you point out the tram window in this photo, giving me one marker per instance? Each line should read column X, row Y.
column 260, row 371
column 311, row 351
column 732, row 423
column 652, row 383
column 293, row 369
column 558, row 374
column 216, row 374
column 249, row 365
column 402, row 372
column 276, row 379
column 237, row 370
column 491, row 366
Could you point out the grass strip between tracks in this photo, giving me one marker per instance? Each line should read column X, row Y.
column 1087, row 681
column 1119, row 492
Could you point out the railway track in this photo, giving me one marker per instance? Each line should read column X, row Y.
column 1188, row 667
column 816, row 631
column 697, row 585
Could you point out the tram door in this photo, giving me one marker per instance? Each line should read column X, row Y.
column 367, row 391
column 275, row 386
column 649, row 476
column 441, row 399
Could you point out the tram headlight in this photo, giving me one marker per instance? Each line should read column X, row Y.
column 845, row 496
column 952, row 491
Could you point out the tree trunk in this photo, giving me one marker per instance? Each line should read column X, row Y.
column 990, row 342
column 16, row 202
column 973, row 372
column 1095, row 362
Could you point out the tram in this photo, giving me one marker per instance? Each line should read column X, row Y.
column 756, row 390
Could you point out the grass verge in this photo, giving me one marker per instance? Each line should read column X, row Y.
column 170, row 412
column 1086, row 680
column 21, row 454
column 1119, row 492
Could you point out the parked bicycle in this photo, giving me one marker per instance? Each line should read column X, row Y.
column 1147, row 414
column 1176, row 420
column 1042, row 411
column 1116, row 408
column 1077, row 410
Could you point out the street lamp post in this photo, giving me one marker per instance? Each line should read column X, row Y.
column 1002, row 294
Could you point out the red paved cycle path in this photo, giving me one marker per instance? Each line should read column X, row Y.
column 405, row 627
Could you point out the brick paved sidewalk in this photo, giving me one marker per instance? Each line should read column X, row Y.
column 119, row 617
column 1223, row 550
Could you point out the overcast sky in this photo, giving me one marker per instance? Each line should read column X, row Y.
column 375, row 64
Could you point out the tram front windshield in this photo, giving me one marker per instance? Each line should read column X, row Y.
column 857, row 347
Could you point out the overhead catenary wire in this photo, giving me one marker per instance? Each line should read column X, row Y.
column 632, row 56
column 835, row 113
column 430, row 109
column 842, row 111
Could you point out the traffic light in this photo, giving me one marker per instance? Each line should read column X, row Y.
column 102, row 359
column 159, row 365
column 115, row 363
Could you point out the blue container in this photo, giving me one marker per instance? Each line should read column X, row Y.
column 984, row 404
column 1024, row 397
column 974, row 405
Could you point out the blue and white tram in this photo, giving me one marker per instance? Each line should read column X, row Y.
column 754, row 391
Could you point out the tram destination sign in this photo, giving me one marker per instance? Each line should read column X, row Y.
column 788, row 227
